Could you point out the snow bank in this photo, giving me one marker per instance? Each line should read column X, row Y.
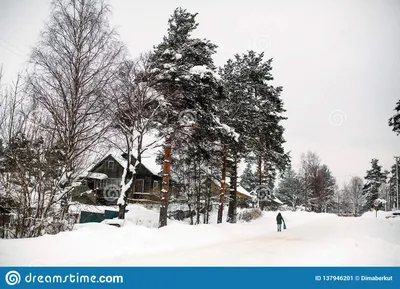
column 311, row 240
column 139, row 215
column 372, row 214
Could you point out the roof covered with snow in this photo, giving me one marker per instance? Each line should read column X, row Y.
column 97, row 176
column 149, row 162
column 239, row 188
column 122, row 161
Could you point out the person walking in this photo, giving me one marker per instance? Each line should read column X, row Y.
column 279, row 221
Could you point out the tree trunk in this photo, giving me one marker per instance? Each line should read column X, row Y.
column 121, row 213
column 233, row 189
column 223, row 186
column 165, row 182
column 259, row 171
column 190, row 201
column 198, row 192
column 191, row 215
column 207, row 204
column 122, row 207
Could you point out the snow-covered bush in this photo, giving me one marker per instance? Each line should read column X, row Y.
column 142, row 216
column 30, row 182
column 249, row 214
column 300, row 208
column 284, row 208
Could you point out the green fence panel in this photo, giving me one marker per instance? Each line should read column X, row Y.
column 110, row 214
column 88, row 217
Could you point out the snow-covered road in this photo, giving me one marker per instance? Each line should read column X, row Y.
column 322, row 242
column 310, row 240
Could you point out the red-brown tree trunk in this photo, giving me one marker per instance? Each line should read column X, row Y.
column 165, row 182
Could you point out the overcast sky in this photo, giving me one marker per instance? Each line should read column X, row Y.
column 338, row 63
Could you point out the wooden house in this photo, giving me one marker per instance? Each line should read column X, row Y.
column 101, row 184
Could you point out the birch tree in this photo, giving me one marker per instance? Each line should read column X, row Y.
column 72, row 65
column 134, row 110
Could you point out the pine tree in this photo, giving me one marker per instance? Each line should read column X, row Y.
column 373, row 180
column 249, row 179
column 184, row 73
column 394, row 121
column 237, row 114
column 253, row 109
column 393, row 183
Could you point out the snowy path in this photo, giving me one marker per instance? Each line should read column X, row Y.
column 331, row 242
column 310, row 240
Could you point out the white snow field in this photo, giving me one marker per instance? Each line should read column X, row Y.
column 310, row 240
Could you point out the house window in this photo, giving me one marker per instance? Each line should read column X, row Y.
column 139, row 186
column 99, row 184
column 155, row 187
column 110, row 165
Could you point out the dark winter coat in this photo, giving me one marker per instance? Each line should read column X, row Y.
column 279, row 219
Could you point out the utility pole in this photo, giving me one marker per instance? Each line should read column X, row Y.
column 397, row 182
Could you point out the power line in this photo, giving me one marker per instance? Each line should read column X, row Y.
column 12, row 51
column 21, row 51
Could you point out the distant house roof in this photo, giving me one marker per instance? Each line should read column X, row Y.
column 276, row 200
column 242, row 191
column 271, row 198
column 239, row 188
